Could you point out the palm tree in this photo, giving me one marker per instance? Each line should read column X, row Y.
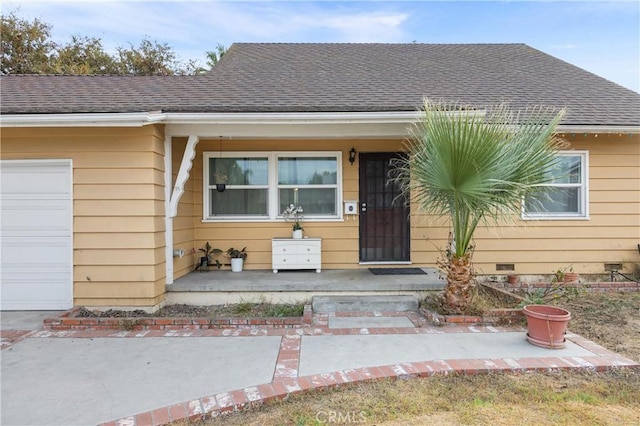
column 475, row 165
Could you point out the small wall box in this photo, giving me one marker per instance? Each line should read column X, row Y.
column 350, row 207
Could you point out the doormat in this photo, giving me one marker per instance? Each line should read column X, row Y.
column 396, row 271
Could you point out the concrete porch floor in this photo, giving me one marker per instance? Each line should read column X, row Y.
column 215, row 287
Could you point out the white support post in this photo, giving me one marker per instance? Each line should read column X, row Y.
column 173, row 195
column 183, row 174
column 168, row 219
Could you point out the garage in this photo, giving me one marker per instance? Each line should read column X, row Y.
column 36, row 235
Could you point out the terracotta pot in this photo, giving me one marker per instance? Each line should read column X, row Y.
column 570, row 277
column 512, row 278
column 546, row 325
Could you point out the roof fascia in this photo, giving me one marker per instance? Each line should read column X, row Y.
column 310, row 124
column 585, row 128
column 126, row 119
column 292, row 125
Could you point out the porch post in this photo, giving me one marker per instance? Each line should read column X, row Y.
column 173, row 195
column 168, row 219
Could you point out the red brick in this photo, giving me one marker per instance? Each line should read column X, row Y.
column 305, row 384
column 144, row 419
column 155, row 327
column 240, row 401
column 178, row 412
column 439, row 367
column 352, row 375
column 317, row 381
column 209, row 404
column 280, row 391
column 194, row 410
column 267, row 393
column 70, row 321
column 387, row 371
column 161, row 416
column 225, row 402
column 291, row 385
column 371, row 373
column 163, row 321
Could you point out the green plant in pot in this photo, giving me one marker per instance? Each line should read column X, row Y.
column 237, row 258
column 207, row 259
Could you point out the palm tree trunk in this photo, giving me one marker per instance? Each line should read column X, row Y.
column 458, row 292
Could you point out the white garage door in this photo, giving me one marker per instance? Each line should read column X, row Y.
column 36, row 235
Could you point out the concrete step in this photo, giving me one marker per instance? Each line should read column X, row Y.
column 401, row 303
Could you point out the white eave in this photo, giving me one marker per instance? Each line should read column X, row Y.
column 262, row 125
column 124, row 119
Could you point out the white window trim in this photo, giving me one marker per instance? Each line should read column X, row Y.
column 584, row 186
column 273, row 215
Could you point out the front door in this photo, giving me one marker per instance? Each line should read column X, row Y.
column 384, row 212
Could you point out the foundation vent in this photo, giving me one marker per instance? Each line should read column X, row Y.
column 505, row 267
column 612, row 267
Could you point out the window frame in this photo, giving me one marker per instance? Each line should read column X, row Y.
column 273, row 215
column 583, row 188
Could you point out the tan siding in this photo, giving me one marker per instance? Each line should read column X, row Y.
column 536, row 247
column 118, row 207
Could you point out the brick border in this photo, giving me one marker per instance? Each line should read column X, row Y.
column 591, row 287
column 494, row 316
column 68, row 321
column 286, row 382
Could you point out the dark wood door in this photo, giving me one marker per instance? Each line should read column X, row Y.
column 384, row 213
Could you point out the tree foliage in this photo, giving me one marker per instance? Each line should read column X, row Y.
column 27, row 48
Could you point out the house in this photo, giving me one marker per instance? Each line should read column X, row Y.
column 108, row 180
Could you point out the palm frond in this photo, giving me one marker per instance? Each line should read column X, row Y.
column 477, row 165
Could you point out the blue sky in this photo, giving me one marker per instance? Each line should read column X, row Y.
column 600, row 36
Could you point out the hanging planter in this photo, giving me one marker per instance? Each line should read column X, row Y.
column 546, row 325
column 221, row 180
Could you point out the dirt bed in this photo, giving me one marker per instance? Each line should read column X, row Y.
column 253, row 310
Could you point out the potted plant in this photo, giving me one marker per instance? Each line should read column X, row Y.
column 294, row 213
column 237, row 258
column 566, row 274
column 206, row 259
column 220, row 180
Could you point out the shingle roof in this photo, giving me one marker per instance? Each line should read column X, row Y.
column 262, row 77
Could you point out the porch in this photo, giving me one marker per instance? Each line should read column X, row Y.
column 220, row 287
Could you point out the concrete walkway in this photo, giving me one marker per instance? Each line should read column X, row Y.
column 155, row 376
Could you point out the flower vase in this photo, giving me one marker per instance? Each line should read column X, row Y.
column 297, row 234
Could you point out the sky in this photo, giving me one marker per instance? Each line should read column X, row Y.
column 600, row 36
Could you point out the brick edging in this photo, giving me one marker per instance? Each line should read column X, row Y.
column 594, row 287
column 254, row 396
column 494, row 316
column 68, row 321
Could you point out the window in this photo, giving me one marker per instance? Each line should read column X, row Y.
column 259, row 185
column 566, row 197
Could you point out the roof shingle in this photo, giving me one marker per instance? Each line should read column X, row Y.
column 263, row 77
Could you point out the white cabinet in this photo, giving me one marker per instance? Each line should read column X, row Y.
column 302, row 253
